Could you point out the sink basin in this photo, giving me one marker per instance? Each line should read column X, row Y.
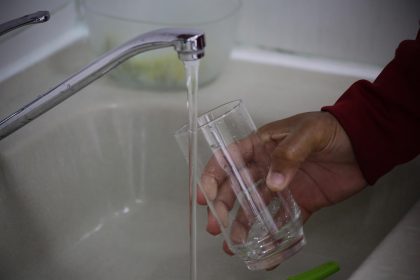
column 74, row 195
column 97, row 189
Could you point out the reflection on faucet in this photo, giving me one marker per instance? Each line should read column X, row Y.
column 38, row 17
column 188, row 43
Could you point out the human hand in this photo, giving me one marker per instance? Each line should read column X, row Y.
column 310, row 153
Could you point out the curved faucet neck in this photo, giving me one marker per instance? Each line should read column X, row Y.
column 189, row 44
column 37, row 17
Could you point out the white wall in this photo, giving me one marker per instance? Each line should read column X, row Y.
column 366, row 31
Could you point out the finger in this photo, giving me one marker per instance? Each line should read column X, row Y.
column 226, row 195
column 286, row 159
column 239, row 154
column 212, row 223
column 222, row 205
column 239, row 232
column 275, row 131
column 207, row 189
column 242, row 149
column 247, row 215
column 212, row 177
column 211, row 188
column 227, row 249
column 289, row 154
column 242, row 224
column 222, row 213
column 249, row 177
column 272, row 268
column 219, row 167
column 296, row 138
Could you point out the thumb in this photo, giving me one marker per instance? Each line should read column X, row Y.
column 289, row 153
column 285, row 161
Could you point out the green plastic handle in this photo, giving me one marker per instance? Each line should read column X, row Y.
column 318, row 273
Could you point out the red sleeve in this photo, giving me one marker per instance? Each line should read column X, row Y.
column 382, row 119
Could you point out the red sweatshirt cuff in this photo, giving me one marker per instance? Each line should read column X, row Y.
column 382, row 119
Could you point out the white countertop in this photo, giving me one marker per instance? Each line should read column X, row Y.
column 398, row 255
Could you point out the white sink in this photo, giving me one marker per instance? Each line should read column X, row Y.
column 97, row 189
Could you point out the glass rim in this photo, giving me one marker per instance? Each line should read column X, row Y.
column 237, row 4
column 235, row 104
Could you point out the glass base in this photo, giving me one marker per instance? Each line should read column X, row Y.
column 277, row 257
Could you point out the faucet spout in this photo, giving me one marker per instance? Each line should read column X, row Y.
column 188, row 43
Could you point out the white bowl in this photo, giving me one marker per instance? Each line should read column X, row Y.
column 112, row 23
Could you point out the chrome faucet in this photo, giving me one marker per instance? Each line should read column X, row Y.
column 37, row 17
column 188, row 43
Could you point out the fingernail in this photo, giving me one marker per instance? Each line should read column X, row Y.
column 275, row 180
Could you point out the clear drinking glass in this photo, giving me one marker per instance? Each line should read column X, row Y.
column 262, row 227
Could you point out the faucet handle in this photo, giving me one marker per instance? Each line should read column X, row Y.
column 37, row 17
